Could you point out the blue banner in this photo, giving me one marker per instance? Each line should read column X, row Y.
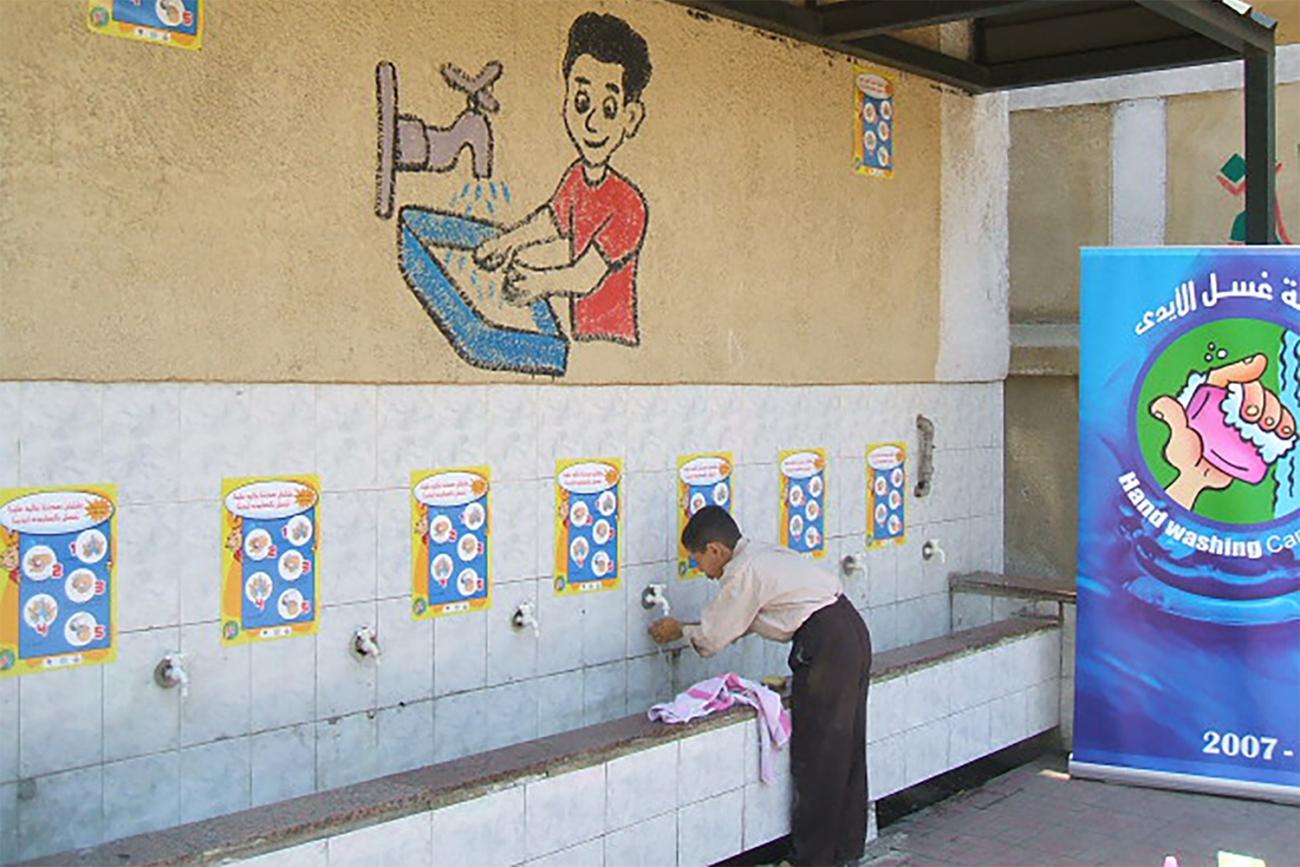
column 1188, row 652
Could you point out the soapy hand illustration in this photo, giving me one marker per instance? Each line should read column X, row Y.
column 1224, row 426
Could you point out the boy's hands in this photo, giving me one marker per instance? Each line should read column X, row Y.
column 494, row 252
column 666, row 630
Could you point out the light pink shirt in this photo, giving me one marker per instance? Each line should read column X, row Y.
column 765, row 589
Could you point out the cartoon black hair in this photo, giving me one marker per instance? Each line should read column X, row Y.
column 610, row 39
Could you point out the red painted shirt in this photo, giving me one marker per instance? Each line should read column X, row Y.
column 612, row 215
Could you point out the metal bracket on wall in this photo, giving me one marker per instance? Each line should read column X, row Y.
column 925, row 456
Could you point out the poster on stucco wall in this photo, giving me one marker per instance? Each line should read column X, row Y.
column 58, row 591
column 178, row 23
column 270, row 545
column 588, row 535
column 886, row 494
column 702, row 480
column 803, row 501
column 1188, row 643
column 451, row 537
column 873, row 122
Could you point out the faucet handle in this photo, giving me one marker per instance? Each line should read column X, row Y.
column 476, row 88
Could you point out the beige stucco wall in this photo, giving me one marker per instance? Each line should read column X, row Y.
column 1058, row 201
column 209, row 215
column 1203, row 131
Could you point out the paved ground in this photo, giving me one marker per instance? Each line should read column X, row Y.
column 1036, row 816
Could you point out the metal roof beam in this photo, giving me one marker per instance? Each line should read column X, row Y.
column 923, row 61
column 1217, row 21
column 856, row 19
column 1261, row 120
column 1169, row 53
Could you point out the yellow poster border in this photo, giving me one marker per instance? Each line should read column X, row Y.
column 232, row 588
column 106, row 25
column 420, row 607
column 560, row 582
column 9, row 613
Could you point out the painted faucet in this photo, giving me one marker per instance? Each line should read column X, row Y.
column 408, row 144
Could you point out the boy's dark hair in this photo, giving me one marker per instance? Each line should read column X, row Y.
column 610, row 39
column 710, row 524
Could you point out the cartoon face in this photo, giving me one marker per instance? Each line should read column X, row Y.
column 596, row 114
column 9, row 559
column 235, row 539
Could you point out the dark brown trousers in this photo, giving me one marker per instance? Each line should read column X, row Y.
column 831, row 662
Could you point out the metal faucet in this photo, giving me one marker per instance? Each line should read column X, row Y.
column 408, row 144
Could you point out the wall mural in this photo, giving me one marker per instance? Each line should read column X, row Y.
column 581, row 246
column 1232, row 176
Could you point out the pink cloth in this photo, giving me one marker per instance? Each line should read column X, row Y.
column 720, row 693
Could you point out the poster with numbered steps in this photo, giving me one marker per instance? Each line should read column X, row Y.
column 702, row 480
column 588, row 533
column 873, row 123
column 270, row 544
column 58, row 590
column 803, row 501
column 886, row 494
column 451, row 524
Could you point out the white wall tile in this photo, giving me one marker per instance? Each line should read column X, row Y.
column 394, row 521
column 61, row 434
column 139, row 716
column 1045, row 655
column 1008, row 720
column 651, row 428
column 273, row 443
column 756, row 499
column 486, row 831
column 197, row 566
column 406, row 738
column 967, row 681
column 456, row 429
column 458, row 725
column 10, row 411
column 345, row 683
column 509, row 431
column 927, row 694
column 204, row 793
column 652, row 843
column 650, row 526
column 515, row 529
column 564, row 810
column 711, row 763
column 460, row 652
column 767, row 811
column 346, row 436
column 148, row 585
column 637, row 619
column 888, row 708
column 348, row 551
column 347, row 750
column 560, row 646
column 559, row 702
column 970, row 610
column 314, row 854
column 1043, row 706
column 404, row 413
column 588, row 854
column 283, row 688
column 69, row 702
column 65, row 812
column 968, row 735
column 142, row 794
column 405, row 671
column 887, row 766
column 142, row 440
column 649, row 682
column 511, row 652
column 283, row 764
column 927, row 750
column 604, row 692
column 604, row 624
column 641, row 785
column 216, row 426
column 710, row 830
column 9, row 723
column 405, row 842
column 219, row 702
column 8, row 817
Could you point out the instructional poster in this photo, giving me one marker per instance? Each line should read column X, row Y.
column 451, row 524
column 588, row 506
column 270, row 535
column 178, row 23
column 873, row 123
column 58, row 596
column 886, row 494
column 803, row 501
column 702, row 480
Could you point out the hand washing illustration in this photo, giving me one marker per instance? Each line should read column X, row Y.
column 1231, row 422
column 581, row 246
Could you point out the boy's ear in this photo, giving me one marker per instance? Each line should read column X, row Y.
column 635, row 112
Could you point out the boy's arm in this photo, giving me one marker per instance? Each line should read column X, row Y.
column 539, row 228
column 524, row 284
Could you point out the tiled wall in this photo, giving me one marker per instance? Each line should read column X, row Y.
column 656, row 808
column 101, row 753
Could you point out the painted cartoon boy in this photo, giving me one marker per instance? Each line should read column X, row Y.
column 598, row 212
